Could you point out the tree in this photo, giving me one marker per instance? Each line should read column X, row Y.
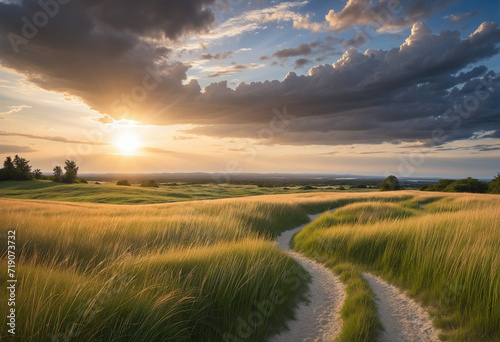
column 494, row 187
column 71, row 171
column 37, row 174
column 468, row 185
column 58, row 174
column 23, row 169
column 391, row 183
column 9, row 170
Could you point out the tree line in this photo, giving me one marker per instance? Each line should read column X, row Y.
column 469, row 184
column 19, row 169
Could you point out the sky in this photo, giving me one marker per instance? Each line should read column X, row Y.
column 347, row 87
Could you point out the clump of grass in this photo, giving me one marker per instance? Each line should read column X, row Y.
column 359, row 312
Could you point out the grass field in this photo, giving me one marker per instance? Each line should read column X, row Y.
column 113, row 194
column 442, row 248
column 209, row 270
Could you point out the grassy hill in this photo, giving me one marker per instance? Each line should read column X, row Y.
column 111, row 193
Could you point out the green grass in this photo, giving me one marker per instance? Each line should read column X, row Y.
column 359, row 312
column 135, row 194
column 209, row 270
column 178, row 272
column 444, row 253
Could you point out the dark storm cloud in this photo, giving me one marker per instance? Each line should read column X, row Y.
column 115, row 56
column 104, row 52
column 399, row 95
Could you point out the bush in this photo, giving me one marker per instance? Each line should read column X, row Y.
column 84, row 181
column 308, row 187
column 265, row 185
column 150, row 184
column 123, row 182
column 341, row 188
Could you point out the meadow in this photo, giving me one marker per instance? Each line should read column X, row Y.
column 109, row 192
column 209, row 270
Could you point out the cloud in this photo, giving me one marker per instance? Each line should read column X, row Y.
column 254, row 20
column 154, row 150
column 124, row 68
column 104, row 52
column 301, row 50
column 14, row 109
column 299, row 63
column 384, row 16
column 455, row 18
column 222, row 70
column 183, row 137
column 326, row 47
column 357, row 41
column 50, row 138
column 370, row 97
column 16, row 149
column 217, row 56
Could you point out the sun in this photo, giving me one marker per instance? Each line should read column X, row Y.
column 127, row 143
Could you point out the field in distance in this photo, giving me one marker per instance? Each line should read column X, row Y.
column 109, row 192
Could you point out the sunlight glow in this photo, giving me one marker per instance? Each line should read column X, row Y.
column 127, row 143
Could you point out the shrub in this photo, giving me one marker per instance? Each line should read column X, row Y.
column 123, row 182
column 150, row 184
column 265, row 185
column 341, row 188
column 308, row 187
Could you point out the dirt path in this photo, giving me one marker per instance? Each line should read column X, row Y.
column 319, row 320
column 403, row 319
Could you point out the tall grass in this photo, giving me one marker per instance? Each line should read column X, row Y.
column 179, row 272
column 445, row 253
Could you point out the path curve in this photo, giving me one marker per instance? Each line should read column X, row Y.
column 319, row 320
column 403, row 319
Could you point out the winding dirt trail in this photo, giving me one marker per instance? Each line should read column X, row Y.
column 319, row 320
column 403, row 319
